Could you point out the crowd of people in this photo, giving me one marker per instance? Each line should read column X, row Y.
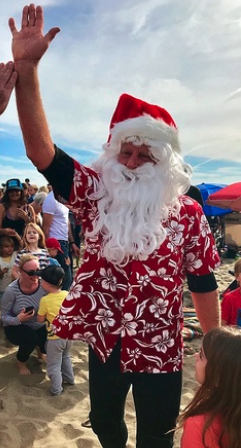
column 143, row 238
column 25, row 247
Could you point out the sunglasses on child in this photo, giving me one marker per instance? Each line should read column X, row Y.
column 30, row 273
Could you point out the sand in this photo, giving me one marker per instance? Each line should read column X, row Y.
column 31, row 417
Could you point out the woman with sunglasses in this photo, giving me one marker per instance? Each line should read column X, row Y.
column 213, row 417
column 14, row 212
column 19, row 308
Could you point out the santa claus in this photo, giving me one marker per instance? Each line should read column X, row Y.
column 143, row 238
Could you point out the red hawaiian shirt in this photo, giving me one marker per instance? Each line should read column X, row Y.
column 141, row 302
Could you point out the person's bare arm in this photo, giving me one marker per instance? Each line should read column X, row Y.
column 207, row 308
column 47, row 221
column 75, row 249
column 40, row 319
column 8, row 79
column 28, row 46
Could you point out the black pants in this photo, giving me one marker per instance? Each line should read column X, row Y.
column 61, row 257
column 27, row 339
column 156, row 399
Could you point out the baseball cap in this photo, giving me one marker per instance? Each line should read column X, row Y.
column 13, row 184
column 52, row 243
column 52, row 274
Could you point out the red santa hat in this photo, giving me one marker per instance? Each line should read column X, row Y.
column 134, row 117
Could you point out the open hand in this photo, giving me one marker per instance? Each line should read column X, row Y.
column 8, row 78
column 29, row 44
column 22, row 214
column 10, row 232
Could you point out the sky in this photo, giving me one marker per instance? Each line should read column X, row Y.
column 183, row 55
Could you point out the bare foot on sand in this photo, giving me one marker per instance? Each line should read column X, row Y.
column 23, row 369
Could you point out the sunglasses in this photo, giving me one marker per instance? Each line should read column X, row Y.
column 30, row 273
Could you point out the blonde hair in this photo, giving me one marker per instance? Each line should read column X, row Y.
column 41, row 241
column 43, row 189
column 34, row 187
column 25, row 258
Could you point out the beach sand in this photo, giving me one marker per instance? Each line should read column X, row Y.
column 31, row 417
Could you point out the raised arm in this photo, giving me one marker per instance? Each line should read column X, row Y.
column 8, row 78
column 28, row 46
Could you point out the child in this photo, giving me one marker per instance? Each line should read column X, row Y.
column 59, row 367
column 231, row 303
column 53, row 247
column 7, row 259
column 212, row 419
column 34, row 243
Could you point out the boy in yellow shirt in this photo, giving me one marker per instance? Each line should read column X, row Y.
column 59, row 367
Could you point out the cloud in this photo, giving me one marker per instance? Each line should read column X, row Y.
column 185, row 56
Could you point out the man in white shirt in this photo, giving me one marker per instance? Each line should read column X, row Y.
column 56, row 225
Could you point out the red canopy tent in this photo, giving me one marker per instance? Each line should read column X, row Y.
column 227, row 197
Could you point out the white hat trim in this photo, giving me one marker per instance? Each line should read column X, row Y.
column 147, row 127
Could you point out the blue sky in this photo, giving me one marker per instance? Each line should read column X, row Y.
column 183, row 55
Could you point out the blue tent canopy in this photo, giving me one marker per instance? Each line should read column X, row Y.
column 206, row 190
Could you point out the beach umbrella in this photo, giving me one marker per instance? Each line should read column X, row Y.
column 228, row 197
column 206, row 190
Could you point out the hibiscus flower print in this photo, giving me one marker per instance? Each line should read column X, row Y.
column 159, row 306
column 75, row 291
column 63, row 319
column 193, row 262
column 105, row 317
column 91, row 249
column 204, row 226
column 93, row 213
column 128, row 325
column 77, row 179
column 143, row 280
column 108, row 280
column 86, row 337
column 175, row 234
column 134, row 354
column 163, row 342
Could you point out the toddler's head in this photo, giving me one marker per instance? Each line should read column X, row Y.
column 53, row 247
column 6, row 246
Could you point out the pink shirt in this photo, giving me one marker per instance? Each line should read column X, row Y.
column 192, row 433
column 141, row 302
column 231, row 306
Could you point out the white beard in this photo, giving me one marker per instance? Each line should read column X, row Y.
column 132, row 205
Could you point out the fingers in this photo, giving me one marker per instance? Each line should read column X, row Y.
column 25, row 16
column 8, row 76
column 12, row 26
column 39, row 19
column 51, row 34
column 31, row 15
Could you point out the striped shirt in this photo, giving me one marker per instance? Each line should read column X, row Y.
column 41, row 254
column 14, row 300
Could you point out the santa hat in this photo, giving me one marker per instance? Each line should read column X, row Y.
column 134, row 117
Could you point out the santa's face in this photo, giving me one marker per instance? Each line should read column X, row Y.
column 133, row 156
column 134, row 195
